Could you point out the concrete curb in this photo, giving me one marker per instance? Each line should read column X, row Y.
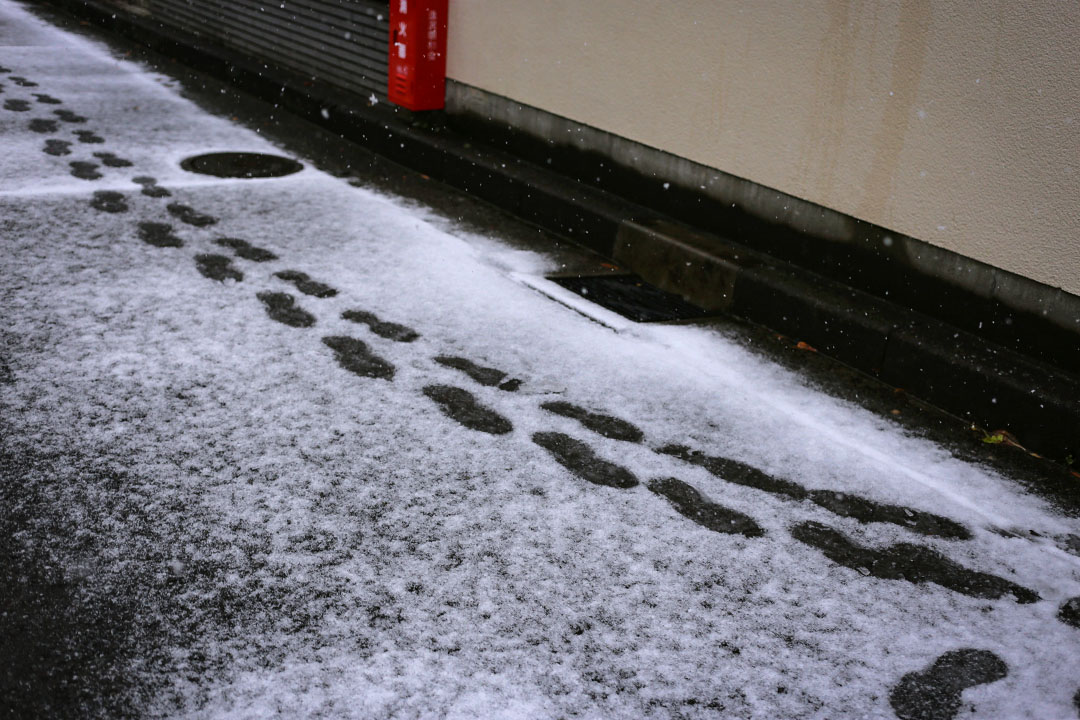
column 986, row 383
column 953, row 369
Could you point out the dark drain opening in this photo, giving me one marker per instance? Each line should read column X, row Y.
column 241, row 165
column 632, row 297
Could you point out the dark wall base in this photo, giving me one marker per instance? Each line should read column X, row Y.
column 963, row 373
column 1004, row 308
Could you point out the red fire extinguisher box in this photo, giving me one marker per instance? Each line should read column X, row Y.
column 418, row 54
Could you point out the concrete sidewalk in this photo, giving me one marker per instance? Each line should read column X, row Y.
column 292, row 447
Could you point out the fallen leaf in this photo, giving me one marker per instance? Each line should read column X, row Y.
column 804, row 346
column 1007, row 438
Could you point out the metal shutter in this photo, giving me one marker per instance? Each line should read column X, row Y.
column 339, row 42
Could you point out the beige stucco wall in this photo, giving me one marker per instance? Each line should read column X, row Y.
column 957, row 123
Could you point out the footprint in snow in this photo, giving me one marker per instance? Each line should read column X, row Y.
column 84, row 170
column 22, row 82
column 843, row 504
column 486, row 376
column 57, row 147
column 189, row 215
column 47, row 99
column 41, row 125
column 866, row 511
column 87, row 136
column 68, row 116
column 158, row 235
column 217, row 267
column 245, row 249
column 1069, row 612
column 462, row 407
column 109, row 201
column 905, row 561
column 691, row 504
column 305, row 284
column 150, row 188
column 935, row 693
column 282, row 307
column 107, row 158
column 579, row 458
column 16, row 105
column 355, row 356
column 606, row 425
column 388, row 330
column 736, row 472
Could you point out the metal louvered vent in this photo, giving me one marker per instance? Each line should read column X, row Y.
column 338, row 42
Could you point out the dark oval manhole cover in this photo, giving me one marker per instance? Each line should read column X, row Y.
column 241, row 165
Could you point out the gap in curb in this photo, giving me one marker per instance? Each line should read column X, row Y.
column 632, row 297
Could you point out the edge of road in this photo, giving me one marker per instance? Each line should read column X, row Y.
column 991, row 386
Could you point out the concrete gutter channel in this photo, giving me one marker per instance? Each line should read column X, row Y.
column 968, row 355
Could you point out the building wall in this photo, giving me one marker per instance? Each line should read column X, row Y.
column 955, row 123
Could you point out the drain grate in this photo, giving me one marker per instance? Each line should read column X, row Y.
column 632, row 297
column 241, row 165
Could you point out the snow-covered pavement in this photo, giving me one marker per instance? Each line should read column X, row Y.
column 326, row 455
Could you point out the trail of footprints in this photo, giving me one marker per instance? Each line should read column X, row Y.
column 929, row 694
column 903, row 561
column 81, row 169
